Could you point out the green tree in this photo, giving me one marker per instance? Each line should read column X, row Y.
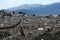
column 58, row 15
column 33, row 14
column 21, row 13
column 13, row 12
column 47, row 16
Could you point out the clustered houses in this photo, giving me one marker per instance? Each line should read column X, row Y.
column 32, row 25
column 10, row 25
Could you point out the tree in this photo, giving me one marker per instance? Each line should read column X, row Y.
column 58, row 15
column 33, row 14
column 13, row 12
column 21, row 31
column 4, row 34
column 10, row 15
column 47, row 16
column 21, row 13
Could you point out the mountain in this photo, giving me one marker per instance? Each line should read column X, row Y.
column 38, row 9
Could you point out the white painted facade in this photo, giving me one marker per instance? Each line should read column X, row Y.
column 1, row 24
column 42, row 39
column 55, row 15
column 40, row 28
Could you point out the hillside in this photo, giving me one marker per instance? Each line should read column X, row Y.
column 38, row 9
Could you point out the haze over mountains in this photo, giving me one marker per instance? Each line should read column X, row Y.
column 38, row 9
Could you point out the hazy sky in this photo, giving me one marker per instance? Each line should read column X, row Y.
column 4, row 4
